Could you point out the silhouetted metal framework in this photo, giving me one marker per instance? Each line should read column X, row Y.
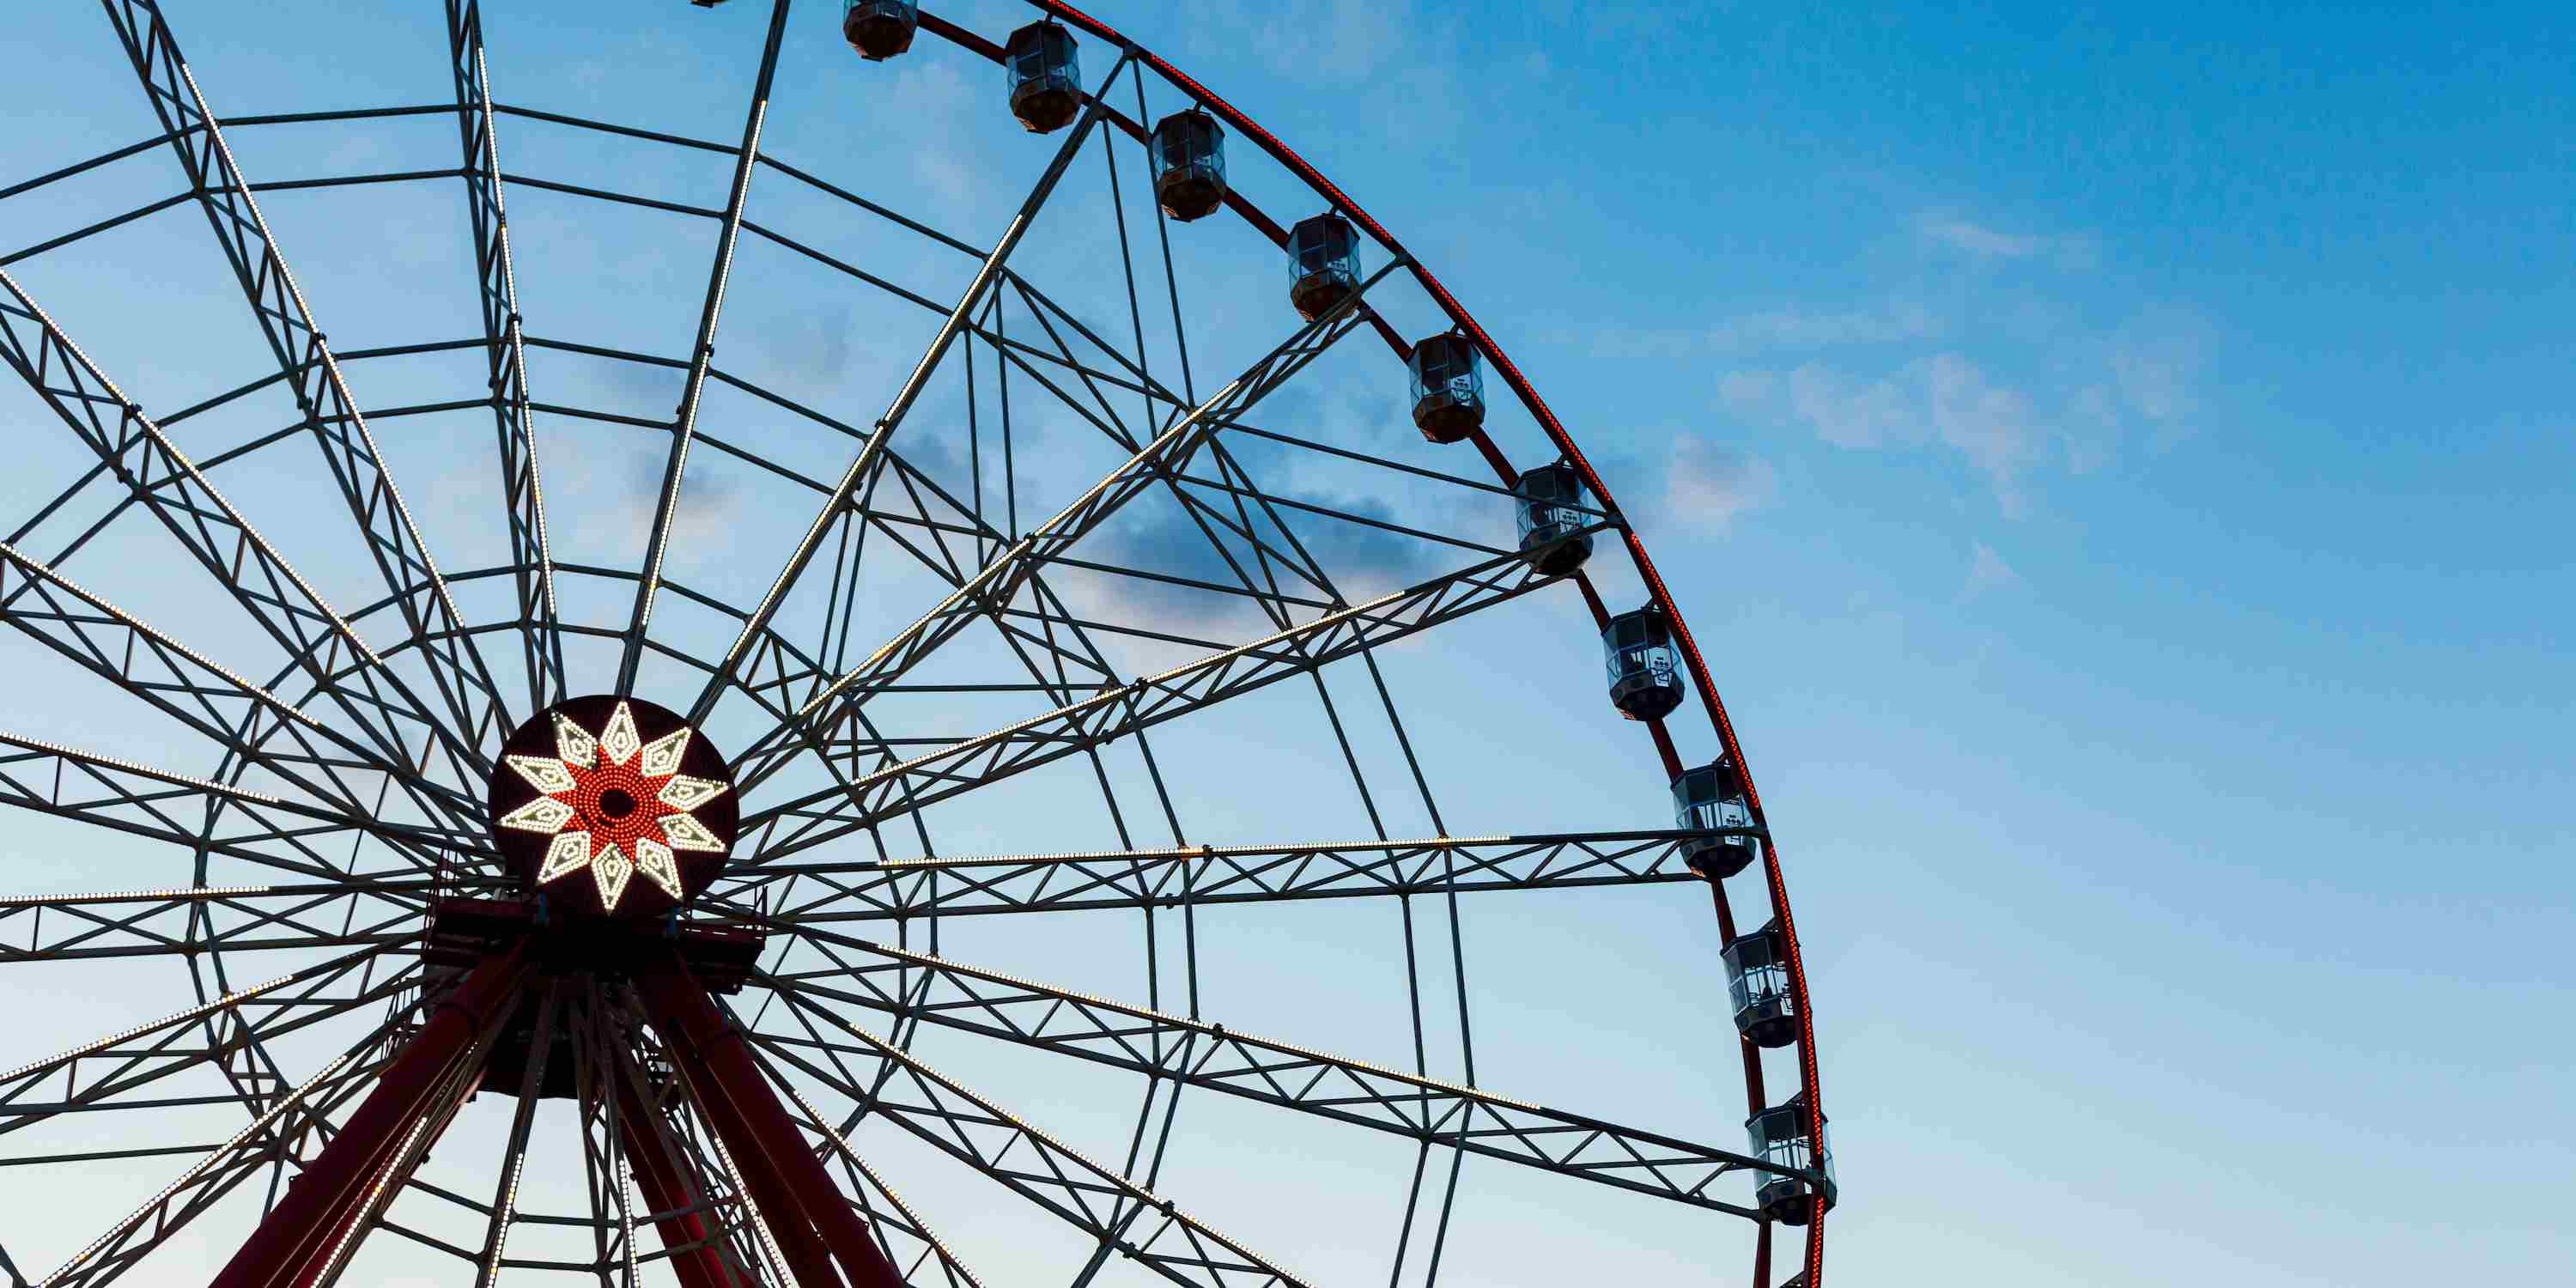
column 342, row 823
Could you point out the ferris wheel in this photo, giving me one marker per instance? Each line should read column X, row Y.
column 486, row 910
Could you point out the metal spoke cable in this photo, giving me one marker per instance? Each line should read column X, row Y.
column 702, row 352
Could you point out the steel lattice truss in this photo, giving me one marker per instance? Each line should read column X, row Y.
column 1059, row 558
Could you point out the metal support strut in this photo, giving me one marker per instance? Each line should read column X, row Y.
column 791, row 1185
column 321, row 1210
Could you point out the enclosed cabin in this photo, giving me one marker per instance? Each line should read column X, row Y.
column 1448, row 390
column 1645, row 671
column 1709, row 798
column 1549, row 502
column 1046, row 78
column 1188, row 153
column 1779, row 1136
column 1323, row 264
column 1757, row 978
column 879, row 29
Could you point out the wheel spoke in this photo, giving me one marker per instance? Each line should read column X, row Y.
column 504, row 339
column 919, row 517
column 818, row 817
column 1000, row 581
column 670, row 1150
column 429, row 1122
column 1221, row 1058
column 203, row 695
column 305, row 356
column 701, row 354
column 1221, row 874
column 888, row 1213
column 964, row 1125
column 514, row 1154
column 92, row 1075
column 185, row 923
column 290, row 836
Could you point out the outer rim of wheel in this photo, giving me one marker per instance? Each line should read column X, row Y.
column 1573, row 455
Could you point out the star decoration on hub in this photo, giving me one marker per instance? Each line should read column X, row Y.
column 616, row 805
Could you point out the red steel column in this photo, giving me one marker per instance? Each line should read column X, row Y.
column 301, row 1230
column 712, row 1050
column 808, row 1258
column 667, row 1190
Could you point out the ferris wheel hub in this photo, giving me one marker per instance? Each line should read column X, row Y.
column 610, row 807
column 612, row 814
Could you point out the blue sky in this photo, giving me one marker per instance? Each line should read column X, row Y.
column 2116, row 460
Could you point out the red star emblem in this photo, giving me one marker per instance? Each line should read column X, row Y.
column 615, row 805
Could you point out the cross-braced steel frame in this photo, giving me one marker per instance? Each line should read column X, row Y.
column 336, row 822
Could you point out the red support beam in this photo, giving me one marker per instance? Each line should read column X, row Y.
column 808, row 1259
column 666, row 1189
column 298, row 1236
column 767, row 1147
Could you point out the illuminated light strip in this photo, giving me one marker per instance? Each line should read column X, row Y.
column 752, row 1215
column 143, row 896
column 1147, row 1197
column 258, row 1125
column 413, row 832
column 101, row 1044
column 509, row 1216
column 340, row 964
column 40, row 570
column 403, row 1162
column 369, row 1208
column 625, row 1204
column 135, row 767
column 919, row 1226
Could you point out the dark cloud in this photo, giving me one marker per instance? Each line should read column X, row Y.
column 1361, row 561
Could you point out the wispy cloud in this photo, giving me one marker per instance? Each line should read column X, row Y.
column 2156, row 360
column 1402, row 53
column 1984, row 242
column 1944, row 399
column 1801, row 328
column 2015, row 375
column 1706, row 486
column 1783, row 329
column 1987, row 570
column 1342, row 38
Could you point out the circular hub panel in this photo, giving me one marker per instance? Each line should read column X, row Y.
column 613, row 807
